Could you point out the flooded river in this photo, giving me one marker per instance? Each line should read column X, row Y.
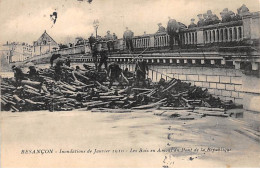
column 135, row 139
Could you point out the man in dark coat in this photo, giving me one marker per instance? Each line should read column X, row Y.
column 68, row 61
column 161, row 29
column 18, row 74
column 114, row 72
column 192, row 24
column 53, row 57
column 141, row 70
column 173, row 28
column 95, row 54
column 110, row 43
column 103, row 59
column 201, row 21
column 128, row 38
column 91, row 41
column 33, row 73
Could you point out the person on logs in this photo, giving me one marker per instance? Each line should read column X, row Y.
column 18, row 74
column 91, row 41
column 95, row 54
column 103, row 59
column 53, row 57
column 141, row 69
column 68, row 62
column 114, row 72
column 33, row 73
column 173, row 29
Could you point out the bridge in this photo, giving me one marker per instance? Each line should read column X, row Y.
column 223, row 58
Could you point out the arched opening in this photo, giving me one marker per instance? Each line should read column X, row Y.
column 239, row 33
column 231, row 34
column 217, row 35
column 225, row 35
column 209, row 36
column 206, row 36
column 235, row 33
column 214, row 35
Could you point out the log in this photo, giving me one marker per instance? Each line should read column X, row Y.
column 90, row 103
column 8, row 101
column 31, row 88
column 141, row 89
column 99, row 104
column 17, row 99
column 32, row 92
column 33, row 102
column 211, row 113
column 209, row 109
column 102, row 87
column 171, row 86
column 14, row 108
column 31, row 83
column 44, row 88
column 175, row 108
column 111, row 97
column 106, row 93
column 124, row 90
column 111, row 110
column 151, row 105
column 67, row 92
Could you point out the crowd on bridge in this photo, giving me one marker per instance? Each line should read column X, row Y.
column 173, row 29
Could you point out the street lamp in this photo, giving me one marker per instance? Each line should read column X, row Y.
column 95, row 25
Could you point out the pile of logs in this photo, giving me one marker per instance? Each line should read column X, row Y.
column 90, row 91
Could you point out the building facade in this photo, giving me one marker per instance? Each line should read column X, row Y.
column 16, row 51
column 45, row 44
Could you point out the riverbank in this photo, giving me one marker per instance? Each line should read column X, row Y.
column 136, row 139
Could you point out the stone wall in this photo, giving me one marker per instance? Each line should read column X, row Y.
column 227, row 84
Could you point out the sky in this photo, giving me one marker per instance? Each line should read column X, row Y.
column 26, row 20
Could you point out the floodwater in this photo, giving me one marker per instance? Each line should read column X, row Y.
column 134, row 139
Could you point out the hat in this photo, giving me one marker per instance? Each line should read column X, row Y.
column 193, row 19
column 225, row 9
column 209, row 12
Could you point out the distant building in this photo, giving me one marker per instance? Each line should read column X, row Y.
column 16, row 51
column 45, row 44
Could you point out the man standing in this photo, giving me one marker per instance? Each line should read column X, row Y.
column 192, row 24
column 109, row 39
column 103, row 59
column 33, row 73
column 141, row 70
column 91, row 40
column 94, row 55
column 161, row 29
column 114, row 41
column 114, row 71
column 128, row 38
column 53, row 57
column 173, row 31
column 201, row 21
column 68, row 61
column 18, row 74
column 225, row 15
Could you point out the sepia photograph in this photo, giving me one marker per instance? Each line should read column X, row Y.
column 130, row 84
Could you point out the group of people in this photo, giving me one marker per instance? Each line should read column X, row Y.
column 226, row 16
